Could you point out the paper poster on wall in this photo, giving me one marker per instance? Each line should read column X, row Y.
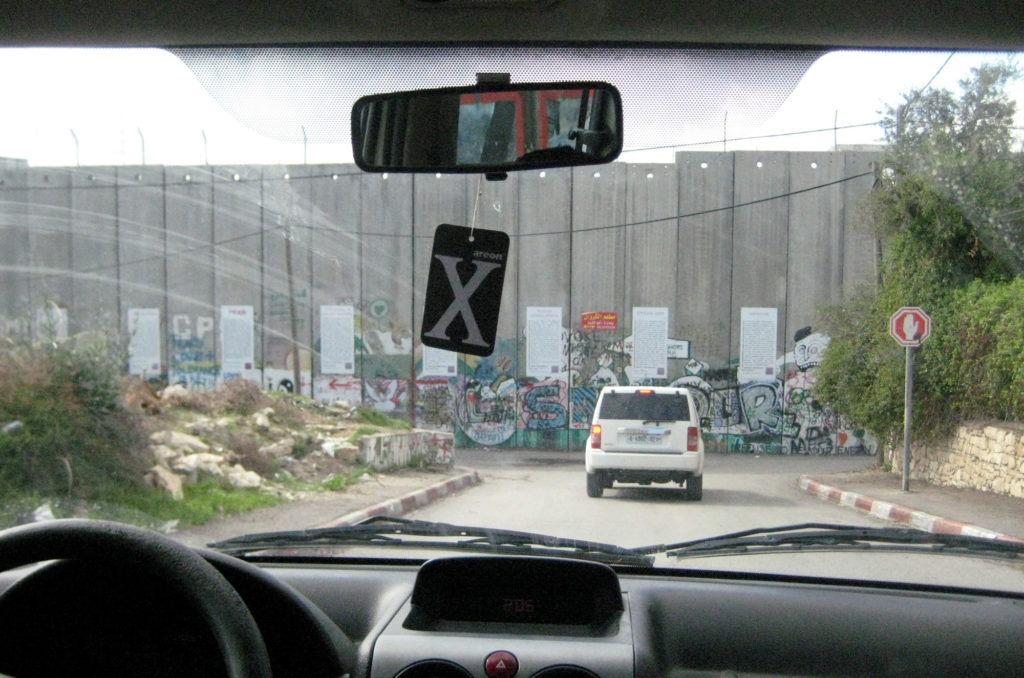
column 650, row 342
column 236, row 340
column 543, row 341
column 438, row 362
column 600, row 320
column 144, row 342
column 337, row 340
column 758, row 331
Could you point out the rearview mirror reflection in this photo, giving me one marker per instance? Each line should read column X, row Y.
column 488, row 128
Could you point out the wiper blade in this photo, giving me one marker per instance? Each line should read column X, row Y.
column 827, row 536
column 390, row 531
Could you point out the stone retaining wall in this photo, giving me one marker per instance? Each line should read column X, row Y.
column 389, row 450
column 987, row 457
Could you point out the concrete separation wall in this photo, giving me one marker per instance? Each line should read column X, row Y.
column 390, row 450
column 411, row 501
column 296, row 250
column 986, row 457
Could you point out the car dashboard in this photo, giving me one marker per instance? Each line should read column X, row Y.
column 502, row 617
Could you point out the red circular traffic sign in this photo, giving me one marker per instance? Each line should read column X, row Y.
column 910, row 326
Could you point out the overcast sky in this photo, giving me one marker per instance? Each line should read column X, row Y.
column 126, row 106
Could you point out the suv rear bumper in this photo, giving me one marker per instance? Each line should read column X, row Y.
column 691, row 462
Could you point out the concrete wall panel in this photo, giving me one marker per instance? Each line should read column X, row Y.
column 192, row 312
column 760, row 242
column 704, row 256
column 385, row 323
column 141, row 241
column 815, row 238
column 860, row 254
column 16, row 277
column 49, row 216
column 337, row 246
column 598, row 243
column 94, row 250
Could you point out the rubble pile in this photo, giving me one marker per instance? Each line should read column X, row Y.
column 191, row 440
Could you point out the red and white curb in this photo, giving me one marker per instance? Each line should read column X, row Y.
column 896, row 513
column 411, row 501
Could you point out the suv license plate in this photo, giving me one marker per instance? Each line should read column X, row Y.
column 644, row 438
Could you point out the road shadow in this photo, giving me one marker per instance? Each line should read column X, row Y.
column 712, row 497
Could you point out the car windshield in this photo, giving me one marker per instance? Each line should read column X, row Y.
column 214, row 324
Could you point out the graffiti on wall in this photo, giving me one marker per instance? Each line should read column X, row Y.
column 489, row 405
column 390, row 396
column 435, row 404
column 777, row 417
column 335, row 388
column 593, row 362
column 485, row 401
column 193, row 357
column 581, row 406
column 544, row 405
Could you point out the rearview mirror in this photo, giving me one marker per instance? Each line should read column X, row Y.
column 488, row 128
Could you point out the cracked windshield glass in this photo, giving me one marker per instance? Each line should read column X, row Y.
column 213, row 321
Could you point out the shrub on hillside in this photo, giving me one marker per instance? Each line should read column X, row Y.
column 75, row 436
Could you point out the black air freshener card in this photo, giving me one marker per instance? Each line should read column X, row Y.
column 467, row 273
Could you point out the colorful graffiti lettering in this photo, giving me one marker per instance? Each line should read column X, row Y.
column 545, row 405
column 486, row 408
column 193, row 361
column 435, row 406
column 761, row 408
column 581, row 406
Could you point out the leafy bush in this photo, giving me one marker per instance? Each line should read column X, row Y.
column 75, row 436
column 948, row 210
column 989, row 343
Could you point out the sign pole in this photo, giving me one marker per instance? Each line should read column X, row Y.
column 909, row 326
column 908, row 401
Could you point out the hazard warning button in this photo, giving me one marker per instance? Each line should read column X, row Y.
column 501, row 664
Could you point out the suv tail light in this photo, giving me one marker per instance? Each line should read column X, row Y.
column 692, row 438
column 595, row 436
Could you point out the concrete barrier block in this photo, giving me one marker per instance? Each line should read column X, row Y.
column 413, row 448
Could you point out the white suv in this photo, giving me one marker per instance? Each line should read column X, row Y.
column 645, row 435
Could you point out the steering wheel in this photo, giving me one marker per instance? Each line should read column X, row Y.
column 183, row 570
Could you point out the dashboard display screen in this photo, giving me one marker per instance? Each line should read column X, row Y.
column 517, row 590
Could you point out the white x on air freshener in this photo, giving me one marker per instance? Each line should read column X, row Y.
column 467, row 273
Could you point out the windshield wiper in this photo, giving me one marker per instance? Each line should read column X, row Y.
column 827, row 536
column 389, row 531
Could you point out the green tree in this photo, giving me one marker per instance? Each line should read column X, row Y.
column 949, row 209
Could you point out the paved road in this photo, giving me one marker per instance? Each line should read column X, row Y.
column 545, row 492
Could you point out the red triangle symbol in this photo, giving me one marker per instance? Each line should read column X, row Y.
column 501, row 665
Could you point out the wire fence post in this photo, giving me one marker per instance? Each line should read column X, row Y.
column 78, row 157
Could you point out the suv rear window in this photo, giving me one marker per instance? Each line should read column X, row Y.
column 645, row 406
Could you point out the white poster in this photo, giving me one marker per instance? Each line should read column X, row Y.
column 337, row 340
column 650, row 342
column 758, row 331
column 144, row 342
column 438, row 362
column 543, row 341
column 236, row 340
